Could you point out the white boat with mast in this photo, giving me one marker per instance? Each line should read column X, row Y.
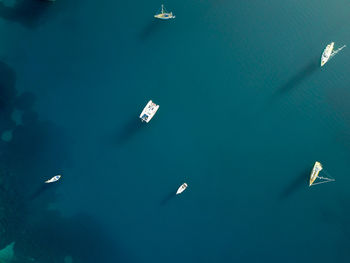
column 315, row 175
column 149, row 111
column 181, row 188
column 164, row 14
column 329, row 52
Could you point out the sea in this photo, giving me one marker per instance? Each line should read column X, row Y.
column 245, row 112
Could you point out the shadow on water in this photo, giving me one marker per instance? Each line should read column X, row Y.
column 7, row 95
column 168, row 198
column 42, row 189
column 131, row 128
column 299, row 182
column 300, row 76
column 151, row 28
column 52, row 238
column 7, row 83
column 25, row 101
column 37, row 148
column 31, row 13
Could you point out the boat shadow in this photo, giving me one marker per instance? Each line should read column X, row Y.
column 131, row 128
column 300, row 76
column 151, row 28
column 41, row 190
column 170, row 196
column 296, row 184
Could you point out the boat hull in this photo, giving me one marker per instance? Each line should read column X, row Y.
column 181, row 188
column 165, row 16
column 149, row 111
column 53, row 179
column 314, row 173
column 327, row 53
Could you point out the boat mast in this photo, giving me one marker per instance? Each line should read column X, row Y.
column 325, row 180
column 334, row 52
column 162, row 9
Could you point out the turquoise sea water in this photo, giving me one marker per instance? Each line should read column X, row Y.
column 245, row 111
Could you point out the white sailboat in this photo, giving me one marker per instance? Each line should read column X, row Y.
column 329, row 52
column 164, row 14
column 181, row 188
column 53, row 179
column 315, row 175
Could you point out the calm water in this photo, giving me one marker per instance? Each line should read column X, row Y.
column 244, row 113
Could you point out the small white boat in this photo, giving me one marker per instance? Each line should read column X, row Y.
column 53, row 179
column 164, row 14
column 327, row 53
column 149, row 111
column 181, row 188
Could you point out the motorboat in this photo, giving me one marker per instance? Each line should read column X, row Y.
column 181, row 188
column 53, row 179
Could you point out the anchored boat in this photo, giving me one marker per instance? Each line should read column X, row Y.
column 329, row 52
column 181, row 188
column 164, row 14
column 53, row 179
column 149, row 111
column 315, row 175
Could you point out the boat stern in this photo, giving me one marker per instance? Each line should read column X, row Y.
column 144, row 117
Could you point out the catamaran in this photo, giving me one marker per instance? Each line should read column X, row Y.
column 149, row 111
column 181, row 188
column 164, row 14
column 315, row 174
column 53, row 179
